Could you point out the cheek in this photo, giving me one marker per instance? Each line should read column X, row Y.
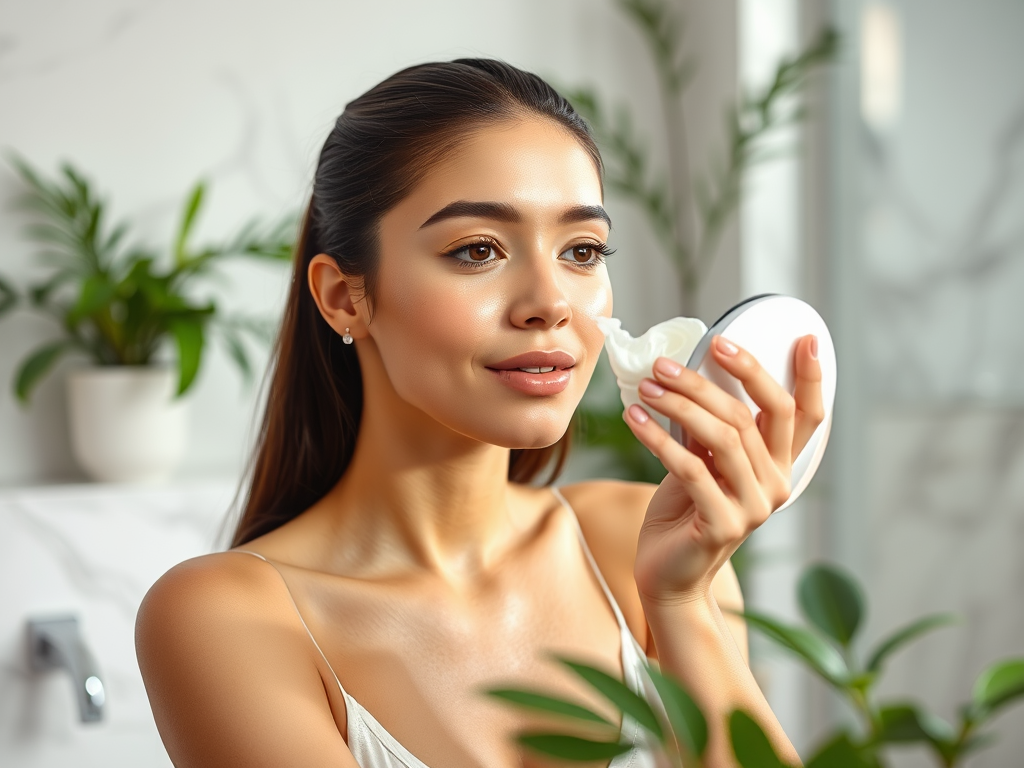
column 430, row 328
column 590, row 299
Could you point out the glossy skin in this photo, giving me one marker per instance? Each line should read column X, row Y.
column 424, row 575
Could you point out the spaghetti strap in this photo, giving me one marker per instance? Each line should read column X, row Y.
column 374, row 747
column 297, row 613
column 593, row 563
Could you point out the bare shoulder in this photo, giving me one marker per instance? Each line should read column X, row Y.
column 611, row 513
column 228, row 668
column 209, row 593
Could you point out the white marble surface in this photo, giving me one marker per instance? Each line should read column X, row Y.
column 92, row 551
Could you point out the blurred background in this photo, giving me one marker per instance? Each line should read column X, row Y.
column 893, row 201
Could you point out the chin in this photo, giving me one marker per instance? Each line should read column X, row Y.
column 523, row 432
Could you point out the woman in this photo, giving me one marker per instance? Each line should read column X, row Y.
column 392, row 557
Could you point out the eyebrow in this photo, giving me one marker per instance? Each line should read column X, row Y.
column 510, row 214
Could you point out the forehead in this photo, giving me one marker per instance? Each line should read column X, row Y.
column 534, row 164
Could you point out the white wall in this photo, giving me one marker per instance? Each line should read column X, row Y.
column 148, row 96
column 927, row 269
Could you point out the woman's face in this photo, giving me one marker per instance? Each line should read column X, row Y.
column 491, row 276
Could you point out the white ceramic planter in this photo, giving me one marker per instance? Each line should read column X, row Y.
column 126, row 426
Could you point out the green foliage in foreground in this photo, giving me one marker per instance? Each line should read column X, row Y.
column 833, row 604
column 117, row 304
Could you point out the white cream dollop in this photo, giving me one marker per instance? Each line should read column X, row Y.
column 633, row 359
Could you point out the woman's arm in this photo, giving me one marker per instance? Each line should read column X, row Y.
column 734, row 472
column 229, row 670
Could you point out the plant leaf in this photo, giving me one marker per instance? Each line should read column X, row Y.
column 237, row 351
column 8, row 297
column 571, row 747
column 1000, row 684
column 188, row 218
column 750, row 744
column 821, row 655
column 687, row 721
column 618, row 694
column 36, row 365
column 903, row 636
column 97, row 293
column 189, row 336
column 976, row 742
column 39, row 294
column 901, row 723
column 840, row 752
column 542, row 703
column 832, row 601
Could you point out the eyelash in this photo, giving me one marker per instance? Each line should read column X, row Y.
column 603, row 250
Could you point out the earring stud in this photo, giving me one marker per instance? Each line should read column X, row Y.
column 347, row 338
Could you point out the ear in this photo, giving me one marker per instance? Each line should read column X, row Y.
column 338, row 296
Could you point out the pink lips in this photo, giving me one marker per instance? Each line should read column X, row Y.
column 510, row 372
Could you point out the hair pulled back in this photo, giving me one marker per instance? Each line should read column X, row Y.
column 381, row 146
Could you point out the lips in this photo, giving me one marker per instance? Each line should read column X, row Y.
column 556, row 360
column 536, row 373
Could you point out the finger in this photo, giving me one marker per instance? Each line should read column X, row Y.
column 703, row 454
column 722, row 439
column 715, row 508
column 810, row 410
column 777, row 405
column 720, row 403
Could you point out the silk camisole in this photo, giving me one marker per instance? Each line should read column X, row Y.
column 373, row 747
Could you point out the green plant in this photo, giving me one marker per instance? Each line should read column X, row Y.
column 671, row 204
column 119, row 304
column 833, row 605
column 687, row 213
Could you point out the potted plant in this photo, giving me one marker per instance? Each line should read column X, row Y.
column 124, row 308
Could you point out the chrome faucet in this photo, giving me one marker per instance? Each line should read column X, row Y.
column 54, row 643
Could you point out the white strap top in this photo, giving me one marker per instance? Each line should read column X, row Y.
column 373, row 747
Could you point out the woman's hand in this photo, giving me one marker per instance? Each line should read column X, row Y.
column 733, row 473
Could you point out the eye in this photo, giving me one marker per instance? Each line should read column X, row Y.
column 586, row 254
column 475, row 254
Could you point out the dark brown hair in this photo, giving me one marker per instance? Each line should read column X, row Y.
column 379, row 149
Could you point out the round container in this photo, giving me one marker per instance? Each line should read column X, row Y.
column 768, row 327
column 126, row 425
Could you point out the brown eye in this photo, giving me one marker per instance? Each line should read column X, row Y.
column 475, row 253
column 584, row 254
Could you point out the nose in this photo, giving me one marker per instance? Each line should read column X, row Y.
column 539, row 302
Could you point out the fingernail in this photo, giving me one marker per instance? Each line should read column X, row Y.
column 814, row 347
column 727, row 347
column 667, row 367
column 649, row 388
column 638, row 414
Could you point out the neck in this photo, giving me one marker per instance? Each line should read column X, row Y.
column 418, row 493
